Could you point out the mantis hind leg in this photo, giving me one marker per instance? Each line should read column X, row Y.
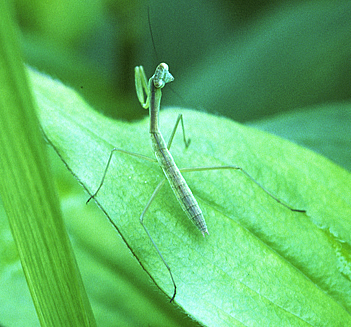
column 247, row 175
column 157, row 189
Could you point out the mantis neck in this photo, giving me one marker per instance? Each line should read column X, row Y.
column 154, row 108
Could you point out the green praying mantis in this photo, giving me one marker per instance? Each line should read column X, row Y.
column 152, row 90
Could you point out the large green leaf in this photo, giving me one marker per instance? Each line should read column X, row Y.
column 261, row 264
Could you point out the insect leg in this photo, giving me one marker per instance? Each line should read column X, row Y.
column 186, row 142
column 248, row 175
column 157, row 189
column 108, row 164
column 142, row 86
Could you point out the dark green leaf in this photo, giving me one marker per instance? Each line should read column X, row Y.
column 294, row 56
column 324, row 129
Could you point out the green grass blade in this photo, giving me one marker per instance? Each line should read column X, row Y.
column 29, row 197
column 261, row 264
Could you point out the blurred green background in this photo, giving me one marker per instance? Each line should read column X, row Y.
column 247, row 60
column 283, row 66
column 241, row 59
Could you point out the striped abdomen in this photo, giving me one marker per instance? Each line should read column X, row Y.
column 179, row 186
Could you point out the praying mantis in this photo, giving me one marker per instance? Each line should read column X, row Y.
column 152, row 90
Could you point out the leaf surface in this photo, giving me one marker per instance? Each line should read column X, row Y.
column 261, row 264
